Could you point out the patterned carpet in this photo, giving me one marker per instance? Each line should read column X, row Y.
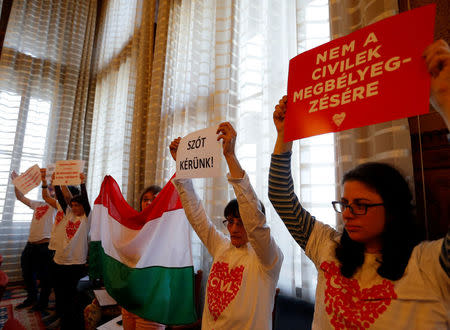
column 13, row 296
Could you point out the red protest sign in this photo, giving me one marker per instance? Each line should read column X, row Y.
column 373, row 75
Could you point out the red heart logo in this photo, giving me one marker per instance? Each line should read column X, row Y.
column 223, row 285
column 349, row 306
column 71, row 228
column 40, row 211
column 59, row 216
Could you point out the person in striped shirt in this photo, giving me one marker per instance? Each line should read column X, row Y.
column 376, row 273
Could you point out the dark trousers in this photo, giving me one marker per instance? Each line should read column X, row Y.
column 66, row 279
column 36, row 264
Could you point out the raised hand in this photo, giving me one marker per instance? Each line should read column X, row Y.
column 44, row 175
column 14, row 175
column 279, row 114
column 174, row 147
column 437, row 59
column 228, row 136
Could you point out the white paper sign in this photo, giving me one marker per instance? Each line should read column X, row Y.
column 103, row 298
column 114, row 324
column 199, row 155
column 28, row 180
column 67, row 172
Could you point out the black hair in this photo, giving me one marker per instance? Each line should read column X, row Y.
column 400, row 233
column 154, row 189
column 82, row 201
column 77, row 199
column 232, row 209
column 73, row 190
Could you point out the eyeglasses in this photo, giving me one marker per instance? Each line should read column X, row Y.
column 355, row 208
column 231, row 221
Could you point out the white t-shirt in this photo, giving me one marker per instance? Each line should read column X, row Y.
column 242, row 281
column 56, row 228
column 42, row 222
column 418, row 300
column 72, row 239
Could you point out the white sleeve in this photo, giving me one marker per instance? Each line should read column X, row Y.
column 254, row 220
column 426, row 254
column 35, row 204
column 197, row 217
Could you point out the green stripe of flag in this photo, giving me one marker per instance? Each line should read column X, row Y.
column 160, row 294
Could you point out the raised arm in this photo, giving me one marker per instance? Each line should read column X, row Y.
column 195, row 211
column 66, row 193
column 21, row 197
column 281, row 186
column 60, row 197
column 250, row 208
column 437, row 58
column 45, row 195
column 84, row 195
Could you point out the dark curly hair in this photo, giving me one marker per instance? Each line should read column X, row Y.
column 154, row 189
column 400, row 233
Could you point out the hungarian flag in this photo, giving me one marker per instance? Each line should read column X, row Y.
column 144, row 257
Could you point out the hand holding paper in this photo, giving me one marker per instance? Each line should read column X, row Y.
column 174, row 148
column 228, row 136
column 44, row 176
column 279, row 116
column 437, row 58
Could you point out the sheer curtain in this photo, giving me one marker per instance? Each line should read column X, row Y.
column 228, row 61
column 44, row 101
column 129, row 67
column 388, row 142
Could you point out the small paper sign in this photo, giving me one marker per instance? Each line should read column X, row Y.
column 103, row 298
column 67, row 172
column 373, row 75
column 199, row 155
column 28, row 180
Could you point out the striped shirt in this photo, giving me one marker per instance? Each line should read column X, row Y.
column 298, row 221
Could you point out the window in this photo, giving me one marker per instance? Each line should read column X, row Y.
column 22, row 145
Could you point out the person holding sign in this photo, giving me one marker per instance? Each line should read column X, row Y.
column 36, row 257
column 71, row 249
column 242, row 280
column 376, row 273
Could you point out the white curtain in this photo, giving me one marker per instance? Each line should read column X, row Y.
column 228, row 61
column 129, row 67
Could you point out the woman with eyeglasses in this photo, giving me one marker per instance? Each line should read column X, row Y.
column 242, row 281
column 376, row 274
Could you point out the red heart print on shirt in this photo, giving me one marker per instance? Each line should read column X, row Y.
column 59, row 216
column 348, row 305
column 223, row 285
column 40, row 211
column 71, row 228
